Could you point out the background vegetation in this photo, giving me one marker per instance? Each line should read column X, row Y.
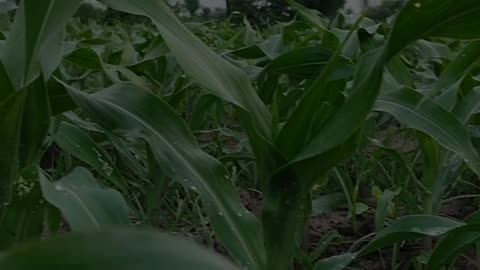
column 276, row 137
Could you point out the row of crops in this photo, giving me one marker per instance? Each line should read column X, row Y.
column 144, row 142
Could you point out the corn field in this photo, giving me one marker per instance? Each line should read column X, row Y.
column 152, row 142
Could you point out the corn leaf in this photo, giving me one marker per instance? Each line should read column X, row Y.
column 452, row 244
column 419, row 19
column 121, row 249
column 131, row 111
column 409, row 228
column 86, row 206
column 79, row 144
column 34, row 45
column 413, row 109
column 201, row 63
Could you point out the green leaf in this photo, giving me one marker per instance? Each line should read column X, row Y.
column 413, row 109
column 86, row 206
column 114, row 250
column 311, row 15
column 335, row 262
column 307, row 62
column 79, row 144
column 34, row 45
column 452, row 244
column 409, row 228
column 131, row 111
column 327, row 203
column 415, row 21
column 457, row 70
column 201, row 63
column 434, row 18
column 382, row 207
column 348, row 117
column 469, row 106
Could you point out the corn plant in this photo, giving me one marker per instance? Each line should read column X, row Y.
column 296, row 138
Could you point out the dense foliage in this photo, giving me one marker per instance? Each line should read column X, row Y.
column 314, row 143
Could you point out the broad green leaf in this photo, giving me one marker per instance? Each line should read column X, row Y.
column 131, row 111
column 458, row 69
column 201, row 63
column 409, row 228
column 86, row 58
column 469, row 106
column 311, row 15
column 34, row 45
column 382, row 207
column 434, row 18
column 415, row 21
column 413, row 109
column 336, row 262
column 452, row 244
column 307, row 62
column 119, row 249
column 327, row 203
column 79, row 144
column 86, row 206
column 345, row 120
column 429, row 49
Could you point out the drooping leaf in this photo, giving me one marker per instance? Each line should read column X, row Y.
column 434, row 18
column 469, row 106
column 34, row 45
column 417, row 20
column 121, row 249
column 201, row 63
column 348, row 117
column 311, row 15
column 382, row 207
column 307, row 62
column 452, row 244
column 413, row 109
column 86, row 206
column 131, row 111
column 457, row 70
column 408, row 228
column 336, row 262
column 79, row 144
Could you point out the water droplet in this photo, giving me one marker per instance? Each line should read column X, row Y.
column 239, row 214
column 58, row 187
column 418, row 5
column 220, row 213
column 193, row 188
